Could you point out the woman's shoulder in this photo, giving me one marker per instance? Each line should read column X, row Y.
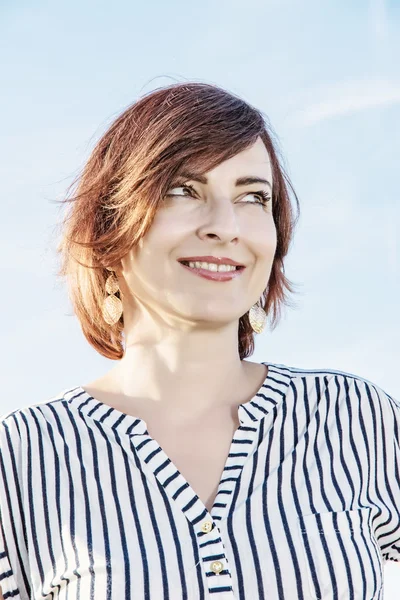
column 27, row 412
column 327, row 376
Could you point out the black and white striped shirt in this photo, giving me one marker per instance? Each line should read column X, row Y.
column 308, row 505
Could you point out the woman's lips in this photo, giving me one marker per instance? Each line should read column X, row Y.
column 215, row 275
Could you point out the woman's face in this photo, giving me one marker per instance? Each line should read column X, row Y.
column 217, row 218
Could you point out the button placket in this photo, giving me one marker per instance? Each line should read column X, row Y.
column 213, row 556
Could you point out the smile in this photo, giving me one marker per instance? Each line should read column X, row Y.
column 214, row 275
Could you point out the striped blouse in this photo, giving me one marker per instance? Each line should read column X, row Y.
column 308, row 505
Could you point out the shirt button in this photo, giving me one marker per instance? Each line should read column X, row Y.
column 206, row 527
column 216, row 566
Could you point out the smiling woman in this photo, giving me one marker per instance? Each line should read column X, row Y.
column 187, row 472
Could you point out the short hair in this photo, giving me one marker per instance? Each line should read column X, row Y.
column 113, row 201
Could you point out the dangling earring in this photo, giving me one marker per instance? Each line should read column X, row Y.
column 112, row 306
column 257, row 318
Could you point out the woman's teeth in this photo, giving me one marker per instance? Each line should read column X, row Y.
column 210, row 266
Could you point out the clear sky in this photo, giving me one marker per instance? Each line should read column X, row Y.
column 326, row 73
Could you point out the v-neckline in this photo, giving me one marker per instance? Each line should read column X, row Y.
column 158, row 465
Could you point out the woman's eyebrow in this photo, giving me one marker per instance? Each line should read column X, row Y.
column 248, row 180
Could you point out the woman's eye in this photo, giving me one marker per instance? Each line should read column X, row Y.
column 181, row 187
column 263, row 197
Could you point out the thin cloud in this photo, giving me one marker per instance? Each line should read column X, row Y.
column 345, row 98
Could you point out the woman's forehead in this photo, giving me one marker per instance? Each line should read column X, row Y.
column 252, row 162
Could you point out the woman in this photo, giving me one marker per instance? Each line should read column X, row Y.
column 187, row 471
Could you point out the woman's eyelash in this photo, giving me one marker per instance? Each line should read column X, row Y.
column 265, row 197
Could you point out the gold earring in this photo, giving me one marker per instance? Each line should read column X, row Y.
column 112, row 306
column 257, row 318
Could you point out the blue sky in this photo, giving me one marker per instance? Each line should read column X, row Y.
column 324, row 72
column 326, row 75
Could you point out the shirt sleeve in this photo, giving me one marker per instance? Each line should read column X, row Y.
column 388, row 475
column 14, row 569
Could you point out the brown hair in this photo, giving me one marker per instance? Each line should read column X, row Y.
column 130, row 170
